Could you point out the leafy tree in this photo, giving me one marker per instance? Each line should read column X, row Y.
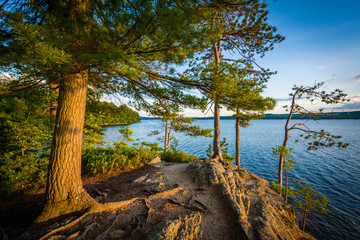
column 310, row 201
column 289, row 164
column 121, row 46
column 319, row 138
column 248, row 104
column 240, row 28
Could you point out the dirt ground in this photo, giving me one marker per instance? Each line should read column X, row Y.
column 146, row 184
column 18, row 213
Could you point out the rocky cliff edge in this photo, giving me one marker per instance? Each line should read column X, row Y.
column 205, row 199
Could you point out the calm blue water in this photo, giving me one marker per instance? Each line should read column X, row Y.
column 334, row 172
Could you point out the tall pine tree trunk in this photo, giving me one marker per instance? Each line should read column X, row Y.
column 64, row 191
column 237, row 141
column 216, row 143
column 216, row 146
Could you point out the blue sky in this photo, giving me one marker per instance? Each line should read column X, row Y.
column 322, row 44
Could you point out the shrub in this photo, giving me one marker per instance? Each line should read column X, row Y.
column 23, row 174
column 277, row 188
column 175, row 155
column 120, row 157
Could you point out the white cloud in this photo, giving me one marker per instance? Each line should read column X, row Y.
column 321, row 67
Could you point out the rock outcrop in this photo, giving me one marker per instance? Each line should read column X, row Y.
column 205, row 199
column 259, row 212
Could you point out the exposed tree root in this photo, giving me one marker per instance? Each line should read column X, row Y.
column 166, row 194
column 87, row 229
column 80, row 202
column 219, row 159
column 138, row 226
column 96, row 209
column 114, row 206
column 103, row 235
column 190, row 207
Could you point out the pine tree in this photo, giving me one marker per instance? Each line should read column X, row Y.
column 240, row 27
column 248, row 104
column 315, row 138
column 122, row 46
column 174, row 121
column 309, row 201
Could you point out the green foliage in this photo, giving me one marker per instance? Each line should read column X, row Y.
column 315, row 138
column 175, row 155
column 24, row 126
column 242, row 30
column 290, row 191
column 93, row 132
column 109, row 114
column 247, row 103
column 129, row 47
column 120, row 157
column 126, row 133
column 309, row 200
column 224, row 151
column 289, row 163
column 23, row 174
column 174, row 121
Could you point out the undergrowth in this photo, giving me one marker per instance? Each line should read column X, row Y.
column 23, row 174
column 119, row 157
column 175, row 155
column 27, row 174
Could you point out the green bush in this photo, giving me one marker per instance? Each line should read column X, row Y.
column 175, row 155
column 23, row 174
column 120, row 157
column 277, row 188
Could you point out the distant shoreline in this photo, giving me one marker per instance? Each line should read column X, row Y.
column 334, row 115
column 117, row 124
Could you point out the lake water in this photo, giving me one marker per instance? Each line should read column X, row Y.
column 332, row 171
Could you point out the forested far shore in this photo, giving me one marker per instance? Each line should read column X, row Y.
column 110, row 114
column 333, row 115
